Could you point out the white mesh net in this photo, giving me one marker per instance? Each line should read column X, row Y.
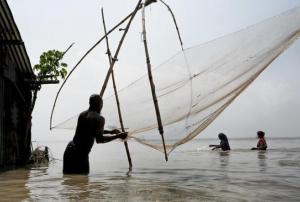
column 197, row 84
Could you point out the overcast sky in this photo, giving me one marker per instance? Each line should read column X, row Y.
column 269, row 104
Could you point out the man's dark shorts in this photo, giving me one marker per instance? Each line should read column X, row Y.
column 75, row 161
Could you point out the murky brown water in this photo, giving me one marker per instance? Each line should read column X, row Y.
column 193, row 173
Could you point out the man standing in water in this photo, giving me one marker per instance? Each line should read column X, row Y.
column 90, row 127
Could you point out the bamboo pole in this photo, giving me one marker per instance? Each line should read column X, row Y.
column 159, row 122
column 175, row 22
column 86, row 54
column 115, row 91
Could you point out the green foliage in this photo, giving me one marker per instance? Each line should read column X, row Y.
column 51, row 66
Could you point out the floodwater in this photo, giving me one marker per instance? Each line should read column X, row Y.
column 193, row 173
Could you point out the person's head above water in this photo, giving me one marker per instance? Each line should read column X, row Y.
column 260, row 134
column 222, row 136
column 96, row 102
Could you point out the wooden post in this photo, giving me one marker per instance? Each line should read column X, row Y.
column 159, row 122
column 115, row 91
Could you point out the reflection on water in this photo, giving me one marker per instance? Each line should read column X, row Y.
column 190, row 175
column 13, row 185
column 224, row 158
column 262, row 160
column 76, row 187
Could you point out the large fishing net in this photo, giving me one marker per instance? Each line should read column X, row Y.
column 197, row 84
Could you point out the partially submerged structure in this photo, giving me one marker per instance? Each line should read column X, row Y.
column 15, row 93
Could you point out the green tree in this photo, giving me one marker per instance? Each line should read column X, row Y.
column 51, row 66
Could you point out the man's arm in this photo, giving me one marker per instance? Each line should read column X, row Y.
column 214, row 145
column 105, row 139
column 101, row 138
column 217, row 147
column 114, row 131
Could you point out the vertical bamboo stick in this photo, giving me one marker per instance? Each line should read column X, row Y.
column 115, row 91
column 159, row 122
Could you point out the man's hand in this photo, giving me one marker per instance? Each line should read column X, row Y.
column 123, row 135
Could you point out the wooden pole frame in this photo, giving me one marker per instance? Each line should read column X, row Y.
column 115, row 91
column 112, row 61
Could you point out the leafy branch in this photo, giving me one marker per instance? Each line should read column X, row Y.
column 51, row 66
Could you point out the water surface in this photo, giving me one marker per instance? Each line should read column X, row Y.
column 193, row 173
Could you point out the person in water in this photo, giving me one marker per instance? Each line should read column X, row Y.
column 224, row 144
column 90, row 127
column 261, row 144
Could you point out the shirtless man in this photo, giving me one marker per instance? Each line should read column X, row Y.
column 90, row 127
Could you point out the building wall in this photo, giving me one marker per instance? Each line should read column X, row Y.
column 15, row 119
column 15, row 93
column 1, row 117
column 2, row 59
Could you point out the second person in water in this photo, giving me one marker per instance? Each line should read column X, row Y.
column 224, row 144
column 261, row 144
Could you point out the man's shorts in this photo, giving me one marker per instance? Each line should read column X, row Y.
column 75, row 161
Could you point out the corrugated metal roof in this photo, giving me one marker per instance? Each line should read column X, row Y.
column 11, row 38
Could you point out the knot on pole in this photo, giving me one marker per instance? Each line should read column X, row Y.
column 161, row 130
